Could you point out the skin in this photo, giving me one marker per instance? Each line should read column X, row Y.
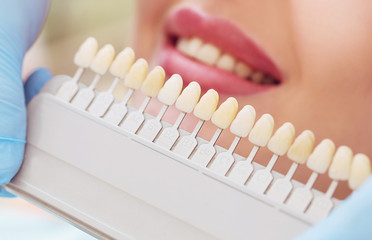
column 324, row 51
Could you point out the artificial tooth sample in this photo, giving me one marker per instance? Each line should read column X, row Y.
column 168, row 95
column 82, row 59
column 262, row 130
column 133, row 80
column 226, row 62
column 298, row 152
column 150, row 87
column 339, row 170
column 360, row 170
column 318, row 161
column 203, row 110
column 119, row 67
column 185, row 103
column 240, row 126
column 242, row 70
column 279, row 144
column 99, row 65
column 222, row 118
column 208, row 54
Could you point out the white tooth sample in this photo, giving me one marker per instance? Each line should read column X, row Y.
column 244, row 121
column 341, row 164
column 226, row 113
column 122, row 63
column 86, row 52
column 137, row 74
column 183, row 45
column 321, row 157
column 189, row 97
column 207, row 105
column 172, row 88
column 257, row 77
column 226, row 62
column 262, row 130
column 153, row 82
column 194, row 45
column 103, row 59
column 282, row 139
column 208, row 54
column 360, row 170
column 242, row 70
column 302, row 147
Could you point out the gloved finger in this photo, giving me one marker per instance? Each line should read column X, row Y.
column 351, row 220
column 4, row 193
column 35, row 82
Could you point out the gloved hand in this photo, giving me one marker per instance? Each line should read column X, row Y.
column 20, row 23
column 351, row 220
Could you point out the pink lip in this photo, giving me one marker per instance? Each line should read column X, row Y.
column 186, row 22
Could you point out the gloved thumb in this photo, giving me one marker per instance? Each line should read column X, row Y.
column 35, row 82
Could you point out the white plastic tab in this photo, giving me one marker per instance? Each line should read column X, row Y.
column 185, row 146
column 300, row 199
column 168, row 137
column 116, row 113
column 204, row 154
column 241, row 172
column 260, row 181
column 222, row 163
column 133, row 121
column 68, row 90
column 83, row 98
column 280, row 190
column 320, row 207
column 100, row 104
column 150, row 129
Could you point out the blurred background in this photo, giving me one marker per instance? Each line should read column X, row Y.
column 69, row 23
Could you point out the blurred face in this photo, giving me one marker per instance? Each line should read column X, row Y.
column 306, row 62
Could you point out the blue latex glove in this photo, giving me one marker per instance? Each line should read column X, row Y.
column 351, row 220
column 20, row 23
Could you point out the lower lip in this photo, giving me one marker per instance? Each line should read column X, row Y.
column 208, row 77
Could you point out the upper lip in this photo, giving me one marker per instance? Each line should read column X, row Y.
column 185, row 22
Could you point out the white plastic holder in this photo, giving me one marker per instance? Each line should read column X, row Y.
column 205, row 152
column 322, row 205
column 225, row 160
column 301, row 197
column 103, row 101
column 281, row 188
column 152, row 127
column 243, row 169
column 117, row 111
column 69, row 88
column 187, row 144
column 135, row 119
column 170, row 135
column 85, row 96
column 262, row 178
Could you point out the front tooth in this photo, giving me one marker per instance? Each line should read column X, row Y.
column 189, row 97
column 85, row 55
column 172, row 88
column 257, row 77
column 302, row 147
column 360, row 170
column 208, row 54
column 207, row 105
column 225, row 113
column 244, row 121
column 282, row 139
column 242, row 70
column 194, row 46
column 103, row 59
column 137, row 74
column 183, row 45
column 122, row 63
column 321, row 157
column 153, row 82
column 262, row 130
column 226, row 62
column 341, row 164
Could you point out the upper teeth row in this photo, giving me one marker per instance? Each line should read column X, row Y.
column 211, row 55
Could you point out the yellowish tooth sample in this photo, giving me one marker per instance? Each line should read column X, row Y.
column 103, row 59
column 282, row 139
column 226, row 62
column 242, row 70
column 341, row 164
column 244, row 121
column 207, row 105
column 302, row 147
column 137, row 74
column 360, row 170
column 226, row 113
column 122, row 63
column 153, row 82
column 208, row 54
column 86, row 52
column 189, row 97
column 172, row 88
column 321, row 157
column 262, row 130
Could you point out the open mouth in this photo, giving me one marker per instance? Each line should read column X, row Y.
column 216, row 54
